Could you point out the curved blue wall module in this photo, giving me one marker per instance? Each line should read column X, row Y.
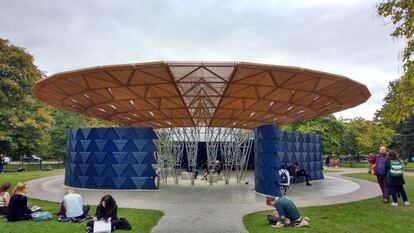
column 111, row 158
column 267, row 162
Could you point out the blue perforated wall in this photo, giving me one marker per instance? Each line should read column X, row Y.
column 267, row 163
column 111, row 158
column 273, row 148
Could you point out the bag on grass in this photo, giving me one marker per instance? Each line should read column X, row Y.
column 123, row 224
column 396, row 168
column 41, row 216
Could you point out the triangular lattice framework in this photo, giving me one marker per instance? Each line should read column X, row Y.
column 214, row 94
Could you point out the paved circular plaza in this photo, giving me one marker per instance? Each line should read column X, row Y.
column 216, row 208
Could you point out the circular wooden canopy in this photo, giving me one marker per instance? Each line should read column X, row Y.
column 188, row 94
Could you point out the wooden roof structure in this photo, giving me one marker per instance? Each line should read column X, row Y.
column 205, row 94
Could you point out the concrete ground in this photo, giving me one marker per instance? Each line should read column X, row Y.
column 216, row 208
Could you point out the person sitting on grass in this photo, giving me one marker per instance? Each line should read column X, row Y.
column 4, row 198
column 107, row 210
column 286, row 213
column 395, row 178
column 72, row 206
column 18, row 208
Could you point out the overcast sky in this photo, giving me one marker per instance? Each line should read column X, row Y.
column 344, row 37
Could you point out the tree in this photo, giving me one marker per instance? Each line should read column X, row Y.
column 328, row 127
column 65, row 120
column 24, row 121
column 371, row 135
column 399, row 102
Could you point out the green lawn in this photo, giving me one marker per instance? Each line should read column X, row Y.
column 409, row 166
column 362, row 216
column 330, row 171
column 31, row 167
column 141, row 220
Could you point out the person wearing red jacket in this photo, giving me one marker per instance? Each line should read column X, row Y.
column 381, row 172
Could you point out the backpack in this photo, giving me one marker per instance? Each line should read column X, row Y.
column 283, row 178
column 123, row 224
column 396, row 169
column 41, row 216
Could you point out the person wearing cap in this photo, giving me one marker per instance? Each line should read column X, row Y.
column 286, row 213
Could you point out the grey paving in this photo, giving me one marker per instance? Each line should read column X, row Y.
column 217, row 208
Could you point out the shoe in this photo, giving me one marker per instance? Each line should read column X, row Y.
column 308, row 184
column 306, row 218
column 385, row 201
column 394, row 204
column 406, row 203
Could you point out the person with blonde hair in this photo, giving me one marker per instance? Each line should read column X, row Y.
column 72, row 206
column 18, row 207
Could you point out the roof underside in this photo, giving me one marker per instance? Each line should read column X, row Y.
column 188, row 94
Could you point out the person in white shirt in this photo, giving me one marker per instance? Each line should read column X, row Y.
column 284, row 179
column 72, row 205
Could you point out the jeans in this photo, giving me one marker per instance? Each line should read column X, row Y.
column 395, row 189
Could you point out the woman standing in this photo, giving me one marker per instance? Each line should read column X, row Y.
column 395, row 178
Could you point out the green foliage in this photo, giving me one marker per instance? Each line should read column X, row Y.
column 66, row 120
column 371, row 135
column 399, row 102
column 24, row 122
column 328, row 127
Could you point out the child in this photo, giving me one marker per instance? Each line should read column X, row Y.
column 286, row 213
column 395, row 178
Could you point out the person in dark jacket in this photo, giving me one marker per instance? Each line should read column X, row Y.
column 381, row 173
column 395, row 178
column 107, row 210
column 18, row 208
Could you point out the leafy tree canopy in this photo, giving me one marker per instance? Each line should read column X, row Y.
column 399, row 102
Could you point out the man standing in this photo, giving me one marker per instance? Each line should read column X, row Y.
column 381, row 172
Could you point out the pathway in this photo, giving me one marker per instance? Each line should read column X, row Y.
column 217, row 208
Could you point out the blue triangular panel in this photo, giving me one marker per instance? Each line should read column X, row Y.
column 130, row 146
column 150, row 134
column 128, row 184
column 100, row 156
column 139, row 169
column 121, row 132
column 99, row 181
column 119, row 168
column 93, row 135
column 110, row 134
column 92, row 147
column 149, row 171
column 130, row 134
column 85, row 132
column 91, row 171
column 101, row 132
column 129, row 171
column 140, row 156
column 120, row 144
column 150, row 159
column 110, row 146
column 73, row 145
column 118, row 181
column 109, row 159
column 72, row 156
column 90, row 183
column 84, row 156
column 99, row 168
column 130, row 159
column 138, row 181
column 109, row 172
column 79, row 135
column 101, row 144
column 83, row 180
column 149, row 184
column 140, row 144
column 76, row 182
column 72, row 168
column 83, row 168
column 119, row 156
column 79, row 147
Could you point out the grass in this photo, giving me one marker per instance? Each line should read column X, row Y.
column 141, row 220
column 409, row 165
column 362, row 216
column 31, row 167
column 330, row 171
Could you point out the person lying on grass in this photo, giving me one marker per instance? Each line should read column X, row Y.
column 286, row 213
